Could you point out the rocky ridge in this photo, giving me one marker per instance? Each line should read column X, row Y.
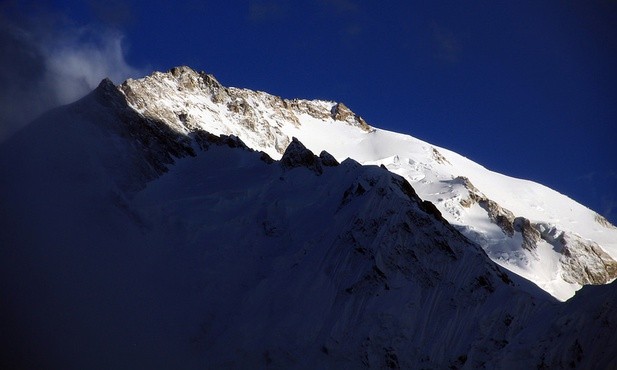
column 581, row 262
column 194, row 97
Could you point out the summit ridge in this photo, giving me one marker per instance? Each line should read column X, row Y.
column 508, row 217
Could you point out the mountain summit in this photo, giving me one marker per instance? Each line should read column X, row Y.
column 525, row 227
column 172, row 222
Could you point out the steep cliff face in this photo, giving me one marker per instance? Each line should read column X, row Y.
column 505, row 216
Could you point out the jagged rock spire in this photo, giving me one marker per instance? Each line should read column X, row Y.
column 297, row 155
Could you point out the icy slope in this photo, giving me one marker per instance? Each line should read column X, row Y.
column 527, row 228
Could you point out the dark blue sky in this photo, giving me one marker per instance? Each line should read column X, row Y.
column 526, row 88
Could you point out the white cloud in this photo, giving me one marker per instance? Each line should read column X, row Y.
column 75, row 67
column 52, row 62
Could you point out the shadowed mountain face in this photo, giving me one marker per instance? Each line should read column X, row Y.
column 127, row 243
column 525, row 227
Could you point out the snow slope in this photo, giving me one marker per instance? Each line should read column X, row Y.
column 529, row 229
column 128, row 245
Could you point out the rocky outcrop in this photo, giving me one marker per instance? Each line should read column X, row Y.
column 582, row 261
column 185, row 99
column 531, row 235
column 154, row 145
column 340, row 112
column 438, row 157
column 301, row 106
column 497, row 214
column 604, row 222
column 297, row 155
column 327, row 159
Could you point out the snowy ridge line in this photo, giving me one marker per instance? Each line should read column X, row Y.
column 188, row 101
column 128, row 244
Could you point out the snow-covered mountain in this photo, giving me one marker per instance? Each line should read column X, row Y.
column 150, row 226
column 525, row 227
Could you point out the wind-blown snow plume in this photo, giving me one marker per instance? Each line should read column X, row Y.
column 75, row 67
column 47, row 61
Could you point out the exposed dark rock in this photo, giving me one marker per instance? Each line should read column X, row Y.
column 239, row 106
column 192, row 79
column 233, row 141
column 439, row 157
column 266, row 158
column 205, row 139
column 500, row 216
column 297, row 155
column 210, row 80
column 327, row 159
column 473, row 191
column 305, row 106
column 604, row 222
column 497, row 214
column 151, row 139
column 584, row 262
column 531, row 236
column 341, row 112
